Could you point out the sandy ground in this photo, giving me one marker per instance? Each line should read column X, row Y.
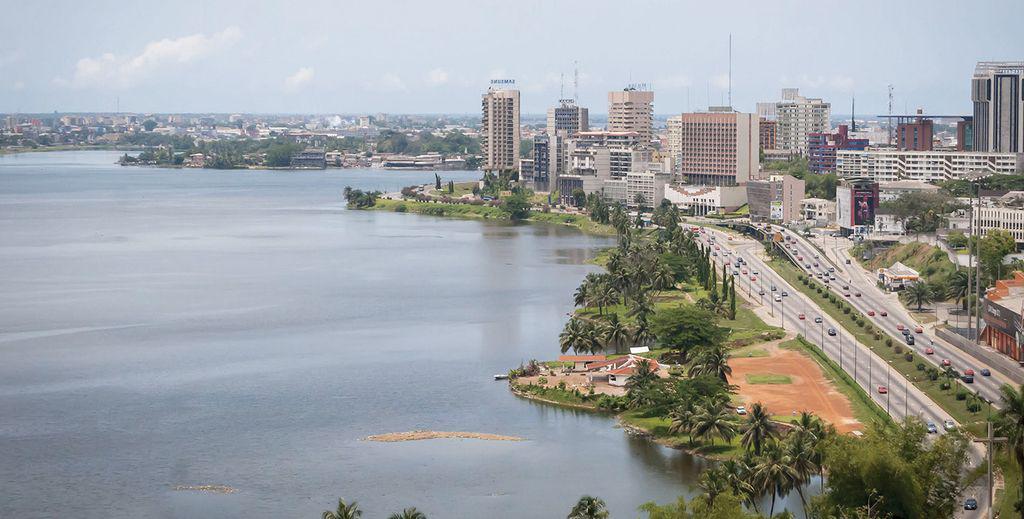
column 213, row 489
column 574, row 381
column 434, row 435
column 809, row 390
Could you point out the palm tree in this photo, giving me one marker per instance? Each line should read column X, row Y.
column 643, row 307
column 682, row 421
column 918, row 294
column 663, row 278
column 800, row 449
column 642, row 334
column 774, row 473
column 581, row 296
column 615, row 332
column 1010, row 424
column 588, row 508
column 714, row 420
column 344, row 511
column 737, row 477
column 757, row 429
column 579, row 336
column 712, row 360
column 409, row 513
column 604, row 296
column 713, row 483
column 643, row 375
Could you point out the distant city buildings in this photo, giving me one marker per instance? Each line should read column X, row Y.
column 776, row 199
column 822, row 148
column 632, row 110
column 887, row 165
column 568, row 118
column 916, row 135
column 997, row 91
column 797, row 117
column 716, row 148
column 499, row 128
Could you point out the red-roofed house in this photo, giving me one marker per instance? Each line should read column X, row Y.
column 581, row 362
column 618, row 370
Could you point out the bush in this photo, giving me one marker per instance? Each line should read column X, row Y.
column 888, row 342
column 401, row 208
column 920, row 366
column 944, row 386
column 933, row 374
column 860, row 322
column 961, row 395
column 909, row 357
column 846, row 310
column 561, row 385
column 542, row 381
column 974, row 407
column 898, row 349
column 878, row 336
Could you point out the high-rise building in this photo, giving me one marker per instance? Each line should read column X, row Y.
column 822, row 148
column 568, row 117
column 776, row 199
column 915, row 135
column 632, row 110
column 499, row 128
column 768, row 131
column 797, row 117
column 997, row 90
column 719, row 147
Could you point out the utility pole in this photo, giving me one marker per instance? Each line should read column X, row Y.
column 990, row 442
column 576, row 82
column 977, row 272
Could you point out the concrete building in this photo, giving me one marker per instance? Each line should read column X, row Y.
column 777, row 199
column 856, row 202
column 890, row 191
column 822, row 148
column 916, row 135
column 705, row 200
column 718, row 147
column 797, row 117
column 632, row 110
column 965, row 135
column 997, row 91
column 647, row 180
column 499, row 128
column 925, row 166
column 1002, row 311
column 539, row 179
column 768, row 131
column 818, row 210
column 1004, row 212
column 310, row 158
column 568, row 118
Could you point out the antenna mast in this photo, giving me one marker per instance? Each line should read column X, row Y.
column 561, row 85
column 576, row 82
column 853, row 113
column 889, row 124
column 730, row 70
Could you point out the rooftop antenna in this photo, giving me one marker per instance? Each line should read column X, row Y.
column 853, row 113
column 576, row 81
column 561, row 85
column 889, row 123
column 730, row 70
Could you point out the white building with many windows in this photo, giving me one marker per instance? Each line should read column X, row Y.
column 922, row 166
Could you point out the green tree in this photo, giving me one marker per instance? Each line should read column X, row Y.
column 1010, row 424
column 712, row 421
column 775, row 473
column 280, row 155
column 757, row 429
column 918, row 294
column 992, row 249
column 687, row 327
column 588, row 507
column 712, row 483
column 149, row 125
column 711, row 360
column 344, row 511
column 578, row 335
column 409, row 513
column 579, row 197
column 517, row 206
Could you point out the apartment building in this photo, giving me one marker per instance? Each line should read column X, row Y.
column 768, row 131
column 776, row 199
column 568, row 118
column 499, row 128
column 797, row 117
column 632, row 110
column 718, row 147
column 925, row 166
column 822, row 148
column 997, row 91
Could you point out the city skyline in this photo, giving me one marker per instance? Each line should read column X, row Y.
column 401, row 58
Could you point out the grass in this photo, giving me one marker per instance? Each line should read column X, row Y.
column 559, row 396
column 972, row 422
column 486, row 212
column 1006, row 497
column 658, row 427
column 930, row 261
column 751, row 351
column 461, row 188
column 768, row 378
column 864, row 409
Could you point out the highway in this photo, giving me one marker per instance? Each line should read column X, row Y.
column 874, row 299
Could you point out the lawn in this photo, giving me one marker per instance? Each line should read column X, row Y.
column 972, row 422
column 1012, row 475
column 864, row 409
column 754, row 350
column 658, row 427
column 768, row 378
column 487, row 212
column 461, row 188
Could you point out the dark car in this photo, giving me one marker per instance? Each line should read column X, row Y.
column 985, row 372
column 970, row 504
column 832, row 331
column 968, row 379
column 910, row 340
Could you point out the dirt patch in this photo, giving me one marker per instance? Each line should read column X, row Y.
column 808, row 389
column 435, row 435
column 573, row 381
column 212, row 489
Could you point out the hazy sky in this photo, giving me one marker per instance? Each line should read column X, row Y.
column 437, row 56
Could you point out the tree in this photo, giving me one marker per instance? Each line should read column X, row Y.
column 641, row 202
column 149, row 125
column 280, row 155
column 517, row 206
column 409, row 513
column 714, row 420
column 957, row 288
column 588, row 507
column 712, row 483
column 757, row 429
column 918, row 294
column 643, row 375
column 615, row 332
column 579, row 336
column 1010, row 424
column 579, row 197
column 992, row 248
column 687, row 327
column 712, row 360
column 775, row 473
column 344, row 511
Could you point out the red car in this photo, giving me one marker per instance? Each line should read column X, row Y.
column 969, row 372
column 884, row 313
column 918, row 330
column 946, row 362
column 882, row 390
column 753, row 278
column 801, row 317
column 899, row 327
column 871, row 313
column 929, row 351
column 799, row 258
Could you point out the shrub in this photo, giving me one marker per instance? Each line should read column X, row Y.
column 561, row 385
column 888, row 342
column 961, row 395
column 878, row 336
column 846, row 310
column 944, row 386
column 401, row 208
column 860, row 322
column 542, row 381
column 920, row 366
column 898, row 349
column 933, row 374
column 974, row 407
column 909, row 357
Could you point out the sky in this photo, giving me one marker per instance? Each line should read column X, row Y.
column 422, row 56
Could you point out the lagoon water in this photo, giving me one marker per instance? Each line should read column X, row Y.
column 187, row 327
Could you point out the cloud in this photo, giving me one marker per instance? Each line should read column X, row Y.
column 437, row 77
column 298, row 79
column 110, row 70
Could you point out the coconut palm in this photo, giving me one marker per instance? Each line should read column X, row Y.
column 409, row 513
column 714, row 420
column 958, row 288
column 757, row 429
column 643, row 375
column 344, row 511
column 588, row 508
column 579, row 336
column 712, row 360
column 682, row 420
column 799, row 447
column 604, row 296
column 775, row 473
column 642, row 334
column 643, row 307
column 712, row 483
column 737, row 477
column 615, row 332
column 918, row 294
column 1010, row 423
column 581, row 296
column 663, row 278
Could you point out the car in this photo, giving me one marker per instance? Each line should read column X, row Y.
column 807, row 266
column 882, row 390
column 753, row 278
column 968, row 379
column 985, row 372
column 756, row 273
column 929, row 351
column 831, row 269
column 900, row 327
column 817, row 320
column 744, row 272
column 778, row 299
column 832, row 332
column 717, row 247
column 799, row 258
column 931, row 428
column 773, row 288
column 785, row 294
column 918, row 329
column 816, row 256
column 969, row 371
column 946, row 362
column 713, row 253
column 760, row 292
column 735, row 272
column 906, row 332
column 856, row 294
column 846, row 294
column 948, row 425
column 845, row 286
column 730, row 238
column 815, row 263
column 833, row 278
column 741, row 410
column 910, row 340
column 970, row 504
column 801, row 316
column 884, row 313
column 871, row 313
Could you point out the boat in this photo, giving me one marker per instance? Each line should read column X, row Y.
column 500, row 377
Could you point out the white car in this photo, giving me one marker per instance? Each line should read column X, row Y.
column 949, row 425
column 741, row 410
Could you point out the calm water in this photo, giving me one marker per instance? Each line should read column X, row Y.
column 169, row 327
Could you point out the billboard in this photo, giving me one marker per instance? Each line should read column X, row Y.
column 775, row 213
column 856, row 203
column 865, row 201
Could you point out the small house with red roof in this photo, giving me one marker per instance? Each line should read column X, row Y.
column 580, row 362
column 617, row 371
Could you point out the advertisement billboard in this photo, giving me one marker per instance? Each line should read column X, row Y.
column 865, row 201
column 775, row 213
